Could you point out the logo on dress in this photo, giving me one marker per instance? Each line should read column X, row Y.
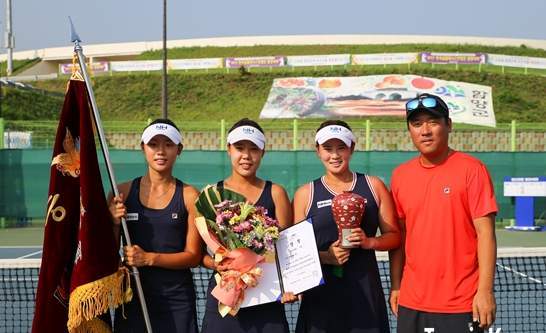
column 174, row 216
column 132, row 217
column 324, row 203
column 447, row 190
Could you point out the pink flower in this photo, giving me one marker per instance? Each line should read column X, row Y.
column 257, row 245
column 269, row 222
column 244, row 226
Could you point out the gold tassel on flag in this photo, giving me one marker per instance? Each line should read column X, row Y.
column 95, row 298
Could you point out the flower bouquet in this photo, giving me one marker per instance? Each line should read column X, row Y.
column 240, row 236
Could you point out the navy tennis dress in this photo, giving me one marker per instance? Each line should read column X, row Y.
column 169, row 293
column 266, row 318
column 354, row 302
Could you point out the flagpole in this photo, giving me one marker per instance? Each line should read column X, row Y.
column 104, row 147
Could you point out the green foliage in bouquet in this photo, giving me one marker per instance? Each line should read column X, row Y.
column 211, row 196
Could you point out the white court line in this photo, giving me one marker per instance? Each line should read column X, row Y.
column 21, row 247
column 521, row 274
column 30, row 254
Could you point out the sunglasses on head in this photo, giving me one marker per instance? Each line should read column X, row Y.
column 427, row 102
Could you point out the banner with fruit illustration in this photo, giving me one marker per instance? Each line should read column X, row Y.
column 375, row 95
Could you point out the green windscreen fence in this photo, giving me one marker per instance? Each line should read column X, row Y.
column 24, row 177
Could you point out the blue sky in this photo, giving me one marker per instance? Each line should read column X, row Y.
column 44, row 23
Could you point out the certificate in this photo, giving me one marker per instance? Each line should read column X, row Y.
column 296, row 267
column 298, row 258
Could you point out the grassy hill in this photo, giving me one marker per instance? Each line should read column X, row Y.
column 18, row 66
column 26, row 104
column 205, row 97
column 200, row 97
column 287, row 50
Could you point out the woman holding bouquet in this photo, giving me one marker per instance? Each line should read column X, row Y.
column 246, row 143
column 351, row 300
column 160, row 212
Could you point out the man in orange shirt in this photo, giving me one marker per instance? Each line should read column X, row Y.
column 442, row 276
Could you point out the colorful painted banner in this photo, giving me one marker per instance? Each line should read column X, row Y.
column 376, row 95
column 204, row 63
column 516, row 61
column 319, row 60
column 274, row 61
column 385, row 58
column 94, row 67
column 136, row 66
column 453, row 58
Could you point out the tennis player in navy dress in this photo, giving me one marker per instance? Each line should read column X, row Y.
column 246, row 143
column 160, row 211
column 352, row 301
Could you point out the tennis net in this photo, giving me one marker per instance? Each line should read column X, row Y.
column 520, row 289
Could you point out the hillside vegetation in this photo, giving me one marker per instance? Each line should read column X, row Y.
column 24, row 104
column 18, row 66
column 287, row 50
column 202, row 97
column 205, row 97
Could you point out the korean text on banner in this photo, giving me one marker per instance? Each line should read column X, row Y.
column 453, row 58
column 274, row 61
column 516, row 61
column 319, row 60
column 94, row 67
column 376, row 95
column 204, row 63
column 385, row 58
column 136, row 66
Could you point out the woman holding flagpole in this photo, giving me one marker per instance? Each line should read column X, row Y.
column 246, row 148
column 160, row 211
column 351, row 300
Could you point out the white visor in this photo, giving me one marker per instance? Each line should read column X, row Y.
column 249, row 133
column 161, row 129
column 335, row 132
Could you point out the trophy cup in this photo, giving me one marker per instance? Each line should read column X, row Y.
column 347, row 209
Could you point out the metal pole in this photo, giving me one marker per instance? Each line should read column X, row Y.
column 295, row 135
column 164, row 84
column 104, row 147
column 1, row 109
column 1, row 133
column 368, row 127
column 222, row 134
column 513, row 136
column 9, row 39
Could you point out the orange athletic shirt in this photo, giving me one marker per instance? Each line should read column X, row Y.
column 439, row 204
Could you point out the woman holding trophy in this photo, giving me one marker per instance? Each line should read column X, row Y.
column 351, row 300
column 246, row 144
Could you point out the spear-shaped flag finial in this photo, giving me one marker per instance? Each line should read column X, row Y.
column 74, row 38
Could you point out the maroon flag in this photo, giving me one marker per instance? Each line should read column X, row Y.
column 80, row 276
